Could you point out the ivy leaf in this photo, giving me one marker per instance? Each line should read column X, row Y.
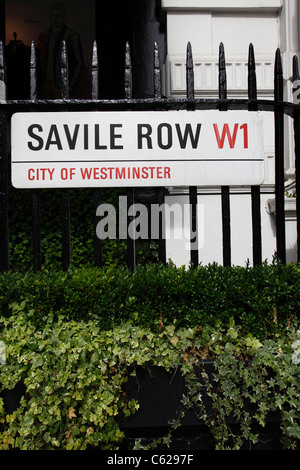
column 71, row 413
column 90, row 431
column 47, row 437
column 233, row 333
column 167, row 441
column 138, row 446
column 174, row 341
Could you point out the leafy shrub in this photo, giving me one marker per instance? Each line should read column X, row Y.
column 73, row 375
column 262, row 299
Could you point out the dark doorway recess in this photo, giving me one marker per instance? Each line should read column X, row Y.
column 140, row 23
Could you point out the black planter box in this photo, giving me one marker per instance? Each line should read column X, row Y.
column 159, row 394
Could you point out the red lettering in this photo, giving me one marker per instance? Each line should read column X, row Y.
column 135, row 172
column 226, row 132
column 145, row 172
column 108, row 173
column 245, row 129
column 96, row 174
column 152, row 168
column 86, row 173
column 103, row 173
column 64, row 173
column 40, row 174
column 231, row 137
column 120, row 173
column 167, row 172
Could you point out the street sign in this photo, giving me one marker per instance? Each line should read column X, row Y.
column 134, row 149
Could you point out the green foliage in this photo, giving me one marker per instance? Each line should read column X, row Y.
column 82, row 213
column 74, row 375
column 245, row 390
column 263, row 300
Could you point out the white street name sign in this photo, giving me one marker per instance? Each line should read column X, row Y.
column 134, row 149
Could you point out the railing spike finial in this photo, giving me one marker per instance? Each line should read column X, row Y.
column 251, row 59
column 278, row 77
column 33, row 72
column 156, row 56
column 222, row 63
column 95, row 72
column 222, row 73
column 189, row 56
column 2, row 74
column 190, row 72
column 295, row 68
column 64, row 89
column 278, row 62
column 32, row 55
column 128, row 72
column 95, row 55
column 2, row 63
column 296, row 80
column 252, row 84
column 157, row 74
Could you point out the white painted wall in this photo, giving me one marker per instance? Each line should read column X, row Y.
column 267, row 24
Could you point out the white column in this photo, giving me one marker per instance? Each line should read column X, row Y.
column 289, row 46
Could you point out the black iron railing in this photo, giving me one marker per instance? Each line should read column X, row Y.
column 277, row 106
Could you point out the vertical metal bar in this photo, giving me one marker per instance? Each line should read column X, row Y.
column 36, row 218
column 225, row 195
column 98, row 249
column 130, row 191
column 295, row 79
column 4, row 229
column 256, row 225
column 255, row 190
column 193, row 192
column 162, row 236
column 279, row 158
column 161, row 191
column 66, row 229
column 225, row 191
column 130, row 255
column 36, row 229
column 296, row 89
column 193, row 196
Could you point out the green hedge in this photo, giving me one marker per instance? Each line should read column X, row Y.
column 261, row 299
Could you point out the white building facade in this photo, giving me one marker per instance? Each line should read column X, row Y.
column 268, row 25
